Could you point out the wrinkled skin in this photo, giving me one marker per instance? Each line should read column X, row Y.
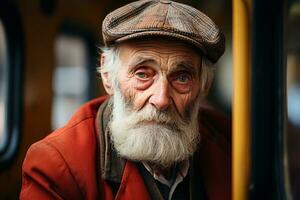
column 160, row 73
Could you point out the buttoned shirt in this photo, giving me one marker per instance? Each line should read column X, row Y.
column 180, row 171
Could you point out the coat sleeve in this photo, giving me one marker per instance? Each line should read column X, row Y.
column 46, row 175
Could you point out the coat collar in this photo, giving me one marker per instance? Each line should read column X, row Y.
column 113, row 168
column 111, row 165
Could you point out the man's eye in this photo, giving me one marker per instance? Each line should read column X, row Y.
column 183, row 78
column 142, row 75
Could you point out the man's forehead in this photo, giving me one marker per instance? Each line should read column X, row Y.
column 159, row 60
column 161, row 48
column 176, row 55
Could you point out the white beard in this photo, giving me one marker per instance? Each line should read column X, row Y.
column 149, row 135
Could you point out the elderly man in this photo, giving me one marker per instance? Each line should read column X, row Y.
column 152, row 137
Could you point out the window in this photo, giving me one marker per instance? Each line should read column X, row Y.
column 3, row 87
column 293, row 88
column 71, row 77
column 11, row 57
column 293, row 97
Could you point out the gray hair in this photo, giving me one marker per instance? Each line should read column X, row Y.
column 112, row 64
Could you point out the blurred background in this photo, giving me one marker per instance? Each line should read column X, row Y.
column 48, row 58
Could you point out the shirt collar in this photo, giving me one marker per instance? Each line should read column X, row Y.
column 180, row 173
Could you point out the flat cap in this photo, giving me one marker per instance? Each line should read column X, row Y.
column 164, row 18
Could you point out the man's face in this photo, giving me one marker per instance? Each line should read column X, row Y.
column 155, row 102
column 159, row 73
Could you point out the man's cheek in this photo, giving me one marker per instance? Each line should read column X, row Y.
column 139, row 99
column 129, row 97
column 181, row 103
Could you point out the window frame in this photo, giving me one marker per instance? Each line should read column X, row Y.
column 268, row 116
column 14, row 42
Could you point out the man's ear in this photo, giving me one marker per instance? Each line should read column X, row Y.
column 105, row 76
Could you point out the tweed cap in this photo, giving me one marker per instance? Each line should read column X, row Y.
column 164, row 18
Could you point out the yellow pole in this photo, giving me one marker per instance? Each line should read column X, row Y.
column 241, row 98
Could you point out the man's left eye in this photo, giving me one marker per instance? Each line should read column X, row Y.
column 183, row 78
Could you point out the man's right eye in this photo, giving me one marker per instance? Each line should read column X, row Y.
column 144, row 73
column 141, row 75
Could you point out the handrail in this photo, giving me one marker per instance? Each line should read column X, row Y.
column 241, row 99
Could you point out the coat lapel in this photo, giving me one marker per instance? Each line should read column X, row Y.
column 132, row 185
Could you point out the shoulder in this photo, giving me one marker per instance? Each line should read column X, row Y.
column 214, row 125
column 214, row 152
column 65, row 161
column 78, row 137
column 45, row 172
column 79, row 132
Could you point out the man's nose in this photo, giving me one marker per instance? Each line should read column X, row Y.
column 161, row 97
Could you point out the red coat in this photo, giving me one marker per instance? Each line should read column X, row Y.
column 65, row 164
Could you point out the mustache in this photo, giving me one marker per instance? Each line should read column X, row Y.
column 149, row 115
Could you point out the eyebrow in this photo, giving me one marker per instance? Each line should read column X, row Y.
column 185, row 66
column 140, row 60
